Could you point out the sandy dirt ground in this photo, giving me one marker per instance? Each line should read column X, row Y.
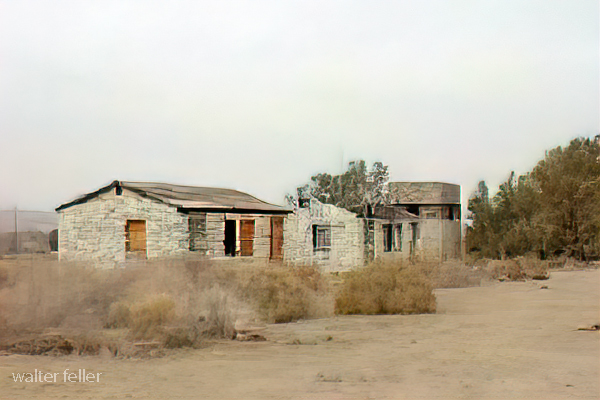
column 501, row 341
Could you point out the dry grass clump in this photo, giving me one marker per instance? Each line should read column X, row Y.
column 145, row 319
column 453, row 274
column 386, row 288
column 284, row 294
column 172, row 302
column 167, row 303
column 518, row 269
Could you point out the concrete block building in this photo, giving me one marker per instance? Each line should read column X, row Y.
column 436, row 232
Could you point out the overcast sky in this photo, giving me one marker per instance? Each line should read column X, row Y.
column 260, row 95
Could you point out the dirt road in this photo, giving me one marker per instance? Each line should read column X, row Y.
column 502, row 341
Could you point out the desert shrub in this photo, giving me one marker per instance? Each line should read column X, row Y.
column 533, row 268
column 170, row 303
column 453, row 274
column 220, row 316
column 147, row 319
column 284, row 294
column 118, row 316
column 518, row 269
column 386, row 288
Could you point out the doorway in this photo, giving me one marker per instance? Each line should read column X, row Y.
column 230, row 237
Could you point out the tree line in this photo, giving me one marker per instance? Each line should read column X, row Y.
column 552, row 210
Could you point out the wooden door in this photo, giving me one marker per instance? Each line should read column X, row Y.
column 246, row 237
column 276, row 238
column 135, row 236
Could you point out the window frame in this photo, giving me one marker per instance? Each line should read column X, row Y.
column 324, row 232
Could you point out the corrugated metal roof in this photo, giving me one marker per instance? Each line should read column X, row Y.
column 189, row 198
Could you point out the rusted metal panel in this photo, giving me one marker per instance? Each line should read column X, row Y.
column 276, row 238
column 246, row 237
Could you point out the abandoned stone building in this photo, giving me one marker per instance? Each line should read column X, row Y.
column 421, row 223
column 436, row 233
column 323, row 235
column 137, row 220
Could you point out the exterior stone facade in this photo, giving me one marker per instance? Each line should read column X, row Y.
column 344, row 249
column 95, row 230
column 121, row 223
column 128, row 221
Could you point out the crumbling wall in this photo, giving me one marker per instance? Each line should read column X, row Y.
column 347, row 240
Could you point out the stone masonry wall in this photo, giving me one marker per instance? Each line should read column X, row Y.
column 95, row 230
column 346, row 251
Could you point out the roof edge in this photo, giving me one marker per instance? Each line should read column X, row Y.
column 89, row 196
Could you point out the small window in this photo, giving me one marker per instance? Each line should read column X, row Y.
column 388, row 238
column 414, row 209
column 321, row 237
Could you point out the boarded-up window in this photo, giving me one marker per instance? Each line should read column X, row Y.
column 276, row 238
column 197, row 226
column 321, row 237
column 246, row 237
column 135, row 236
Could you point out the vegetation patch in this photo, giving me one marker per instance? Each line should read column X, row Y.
column 284, row 294
column 386, row 288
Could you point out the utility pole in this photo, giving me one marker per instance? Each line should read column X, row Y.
column 16, row 231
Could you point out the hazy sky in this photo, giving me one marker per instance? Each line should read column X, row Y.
column 260, row 95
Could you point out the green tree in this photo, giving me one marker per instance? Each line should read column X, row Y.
column 554, row 209
column 358, row 189
column 482, row 235
column 569, row 183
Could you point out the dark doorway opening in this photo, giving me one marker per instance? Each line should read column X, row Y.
column 388, row 238
column 230, row 237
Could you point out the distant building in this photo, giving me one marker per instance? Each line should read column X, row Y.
column 26, row 231
column 420, row 223
column 436, row 234
column 139, row 220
